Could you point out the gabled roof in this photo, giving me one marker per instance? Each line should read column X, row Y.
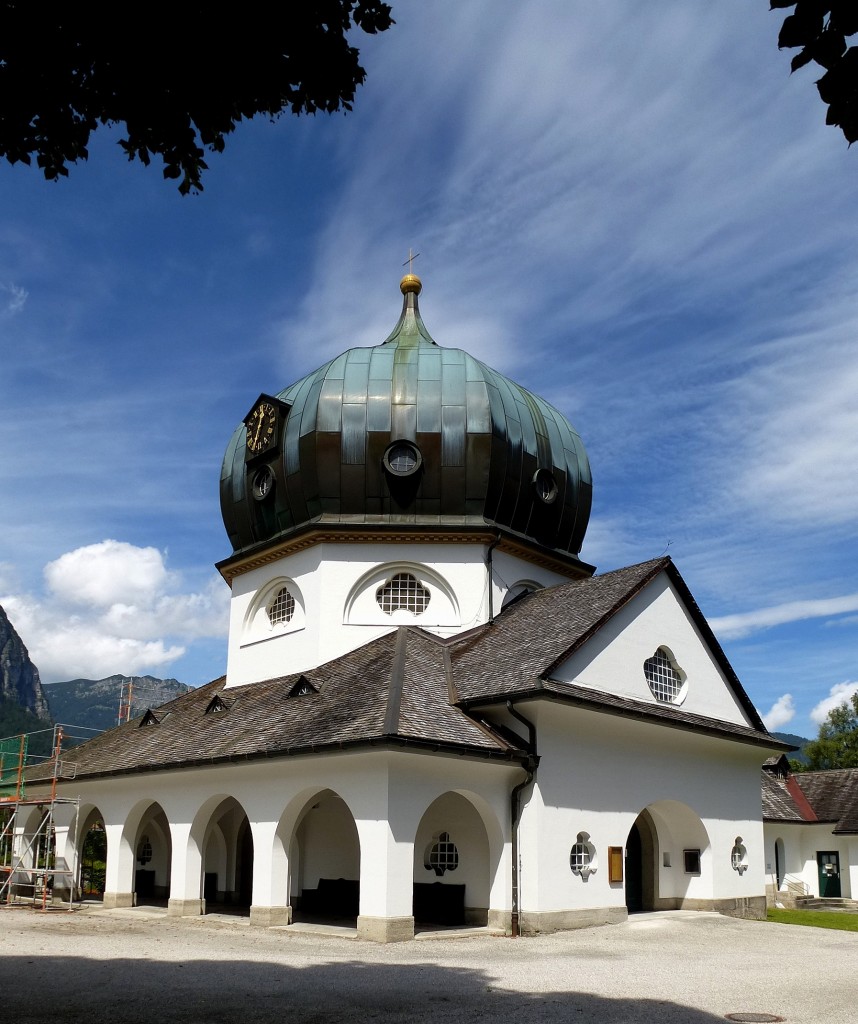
column 410, row 688
column 493, row 663
column 833, row 795
column 783, row 800
column 394, row 690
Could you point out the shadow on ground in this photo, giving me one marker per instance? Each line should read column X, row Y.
column 124, row 991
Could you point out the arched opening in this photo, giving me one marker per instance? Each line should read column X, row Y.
column 640, row 872
column 227, row 860
column 324, row 861
column 780, row 861
column 92, row 847
column 452, row 870
column 153, row 855
column 666, row 859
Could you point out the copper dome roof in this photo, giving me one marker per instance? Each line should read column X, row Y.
column 410, row 434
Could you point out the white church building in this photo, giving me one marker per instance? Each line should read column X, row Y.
column 433, row 711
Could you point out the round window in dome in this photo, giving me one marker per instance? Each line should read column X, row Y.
column 402, row 458
column 545, row 485
column 263, row 483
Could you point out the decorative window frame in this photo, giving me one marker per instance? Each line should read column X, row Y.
column 258, row 627
column 682, row 692
column 441, row 854
column 362, row 609
column 582, row 857
column 739, row 856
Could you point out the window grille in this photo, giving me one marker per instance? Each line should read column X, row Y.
column 281, row 608
column 443, row 855
column 582, row 857
column 403, row 591
column 663, row 679
column 144, row 850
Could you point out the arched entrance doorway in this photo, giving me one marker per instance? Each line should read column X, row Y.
column 780, row 862
column 666, row 859
column 152, row 857
column 92, row 845
column 227, row 860
column 640, row 871
column 452, row 870
column 324, row 861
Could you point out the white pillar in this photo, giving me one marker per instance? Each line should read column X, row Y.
column 270, row 904
column 185, row 873
column 386, row 883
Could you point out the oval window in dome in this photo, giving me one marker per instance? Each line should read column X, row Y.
column 545, row 485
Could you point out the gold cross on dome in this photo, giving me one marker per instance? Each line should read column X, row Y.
column 412, row 256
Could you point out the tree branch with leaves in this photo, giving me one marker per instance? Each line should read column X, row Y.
column 821, row 30
column 179, row 77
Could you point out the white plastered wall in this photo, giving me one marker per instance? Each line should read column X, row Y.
column 612, row 661
column 802, row 842
column 387, row 794
column 334, row 586
column 598, row 772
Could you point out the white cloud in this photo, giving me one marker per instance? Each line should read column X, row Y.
column 113, row 607
column 839, row 694
column 780, row 713
column 103, row 574
column 744, row 623
column 16, row 298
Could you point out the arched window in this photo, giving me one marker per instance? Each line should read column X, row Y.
column 403, row 591
column 281, row 607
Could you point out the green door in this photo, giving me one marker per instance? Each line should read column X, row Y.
column 828, row 863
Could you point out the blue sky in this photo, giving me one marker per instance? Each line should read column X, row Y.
column 631, row 209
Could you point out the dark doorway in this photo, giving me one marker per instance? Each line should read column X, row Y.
column 634, row 871
column 828, row 863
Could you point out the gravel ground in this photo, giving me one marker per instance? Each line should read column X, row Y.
column 137, row 966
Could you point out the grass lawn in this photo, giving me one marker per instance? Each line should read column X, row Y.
column 815, row 919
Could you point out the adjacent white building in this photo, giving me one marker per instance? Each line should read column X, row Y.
column 433, row 711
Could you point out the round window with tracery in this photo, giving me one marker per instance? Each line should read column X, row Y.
column 281, row 607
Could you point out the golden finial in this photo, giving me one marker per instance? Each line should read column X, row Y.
column 411, row 282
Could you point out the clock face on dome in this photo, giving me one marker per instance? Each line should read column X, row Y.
column 261, row 427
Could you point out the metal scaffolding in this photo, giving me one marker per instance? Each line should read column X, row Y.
column 31, row 872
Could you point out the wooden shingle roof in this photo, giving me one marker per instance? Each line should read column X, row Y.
column 410, row 688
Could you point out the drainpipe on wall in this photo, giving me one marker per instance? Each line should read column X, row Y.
column 490, row 574
column 530, row 766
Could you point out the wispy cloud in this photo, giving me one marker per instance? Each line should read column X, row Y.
column 15, row 298
column 744, row 623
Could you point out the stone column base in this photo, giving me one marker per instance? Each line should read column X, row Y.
column 267, row 917
column 114, row 900
column 540, row 922
column 185, row 908
column 385, row 929
column 500, row 921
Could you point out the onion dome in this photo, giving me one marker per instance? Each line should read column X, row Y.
column 406, row 434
